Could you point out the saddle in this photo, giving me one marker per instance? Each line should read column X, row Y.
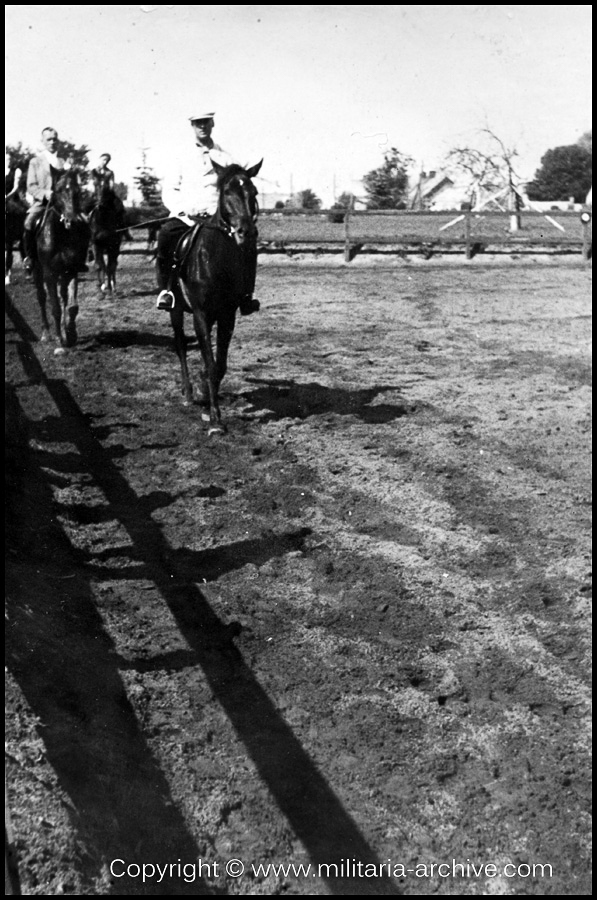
column 184, row 247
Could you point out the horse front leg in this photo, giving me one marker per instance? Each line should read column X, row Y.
column 100, row 267
column 210, row 381
column 180, row 344
column 225, row 332
column 68, row 310
column 111, row 268
column 54, row 292
column 42, row 299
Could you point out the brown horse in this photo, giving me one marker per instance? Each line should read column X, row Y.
column 212, row 279
column 62, row 240
column 15, row 212
column 107, row 225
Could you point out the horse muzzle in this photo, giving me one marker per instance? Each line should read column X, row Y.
column 243, row 234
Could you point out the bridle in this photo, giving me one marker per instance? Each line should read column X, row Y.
column 220, row 221
column 65, row 220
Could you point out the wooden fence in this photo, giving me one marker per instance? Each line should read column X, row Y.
column 426, row 233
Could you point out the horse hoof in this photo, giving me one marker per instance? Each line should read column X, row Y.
column 103, row 288
column 205, row 417
column 7, row 279
column 59, row 351
column 216, row 429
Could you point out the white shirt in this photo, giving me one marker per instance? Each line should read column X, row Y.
column 54, row 159
column 194, row 191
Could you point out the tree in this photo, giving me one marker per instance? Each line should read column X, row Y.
column 387, row 186
column 77, row 157
column 121, row 190
column 338, row 209
column 565, row 172
column 307, row 199
column 490, row 168
column 586, row 140
column 148, row 184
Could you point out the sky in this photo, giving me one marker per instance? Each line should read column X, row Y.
column 318, row 92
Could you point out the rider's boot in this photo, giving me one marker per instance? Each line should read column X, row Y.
column 166, row 298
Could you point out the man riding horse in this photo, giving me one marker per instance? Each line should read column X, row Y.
column 103, row 182
column 41, row 173
column 191, row 198
column 102, row 176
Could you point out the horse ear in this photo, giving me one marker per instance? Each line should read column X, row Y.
column 218, row 167
column 252, row 172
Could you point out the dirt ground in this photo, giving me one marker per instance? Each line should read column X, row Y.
column 351, row 634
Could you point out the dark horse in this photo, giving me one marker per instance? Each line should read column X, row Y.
column 212, row 279
column 15, row 212
column 62, row 240
column 107, row 233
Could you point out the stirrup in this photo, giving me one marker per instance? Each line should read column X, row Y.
column 166, row 300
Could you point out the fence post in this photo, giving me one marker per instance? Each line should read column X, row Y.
column 467, row 232
column 587, row 243
column 347, row 229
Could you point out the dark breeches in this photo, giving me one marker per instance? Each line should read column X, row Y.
column 32, row 218
column 168, row 237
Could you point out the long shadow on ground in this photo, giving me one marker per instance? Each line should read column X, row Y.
column 66, row 666
column 313, row 811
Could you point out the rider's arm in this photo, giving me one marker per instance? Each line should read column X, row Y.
column 15, row 186
column 34, row 184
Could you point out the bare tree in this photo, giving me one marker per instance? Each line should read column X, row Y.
column 490, row 169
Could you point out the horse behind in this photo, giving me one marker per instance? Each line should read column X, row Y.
column 152, row 237
column 211, row 282
column 105, row 223
column 15, row 213
column 62, row 241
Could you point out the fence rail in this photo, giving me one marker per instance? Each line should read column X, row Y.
column 429, row 232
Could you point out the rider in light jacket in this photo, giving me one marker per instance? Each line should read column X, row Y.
column 194, row 194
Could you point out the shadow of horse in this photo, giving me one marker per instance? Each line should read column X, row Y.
column 212, row 282
column 62, row 240
column 107, row 234
column 122, row 338
column 283, row 399
column 15, row 210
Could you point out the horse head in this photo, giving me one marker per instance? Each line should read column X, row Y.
column 237, row 203
column 66, row 197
